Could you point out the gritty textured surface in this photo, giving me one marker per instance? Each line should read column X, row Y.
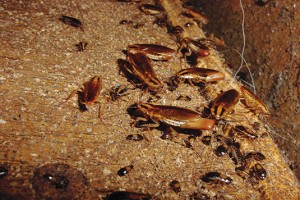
column 41, row 67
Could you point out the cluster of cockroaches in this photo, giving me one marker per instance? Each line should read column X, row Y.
column 139, row 70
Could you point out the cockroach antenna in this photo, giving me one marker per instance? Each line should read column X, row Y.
column 243, row 50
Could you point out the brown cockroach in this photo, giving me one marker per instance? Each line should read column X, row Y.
column 197, row 48
column 192, row 13
column 199, row 75
column 174, row 116
column 224, row 103
column 141, row 69
column 81, row 46
column 71, row 21
column 254, row 104
column 153, row 51
column 151, row 9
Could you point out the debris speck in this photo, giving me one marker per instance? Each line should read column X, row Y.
column 89, row 130
column 106, row 171
column 2, row 121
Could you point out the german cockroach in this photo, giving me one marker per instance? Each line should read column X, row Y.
column 199, row 75
column 71, row 21
column 141, row 69
column 223, row 104
column 206, row 140
column 3, row 172
column 175, row 185
column 135, row 137
column 125, row 170
column 174, row 116
column 258, row 172
column 252, row 102
column 117, row 91
column 151, row 9
column 245, row 132
column 153, row 51
column 192, row 13
column 127, row 195
column 58, row 181
column 81, row 46
column 216, row 178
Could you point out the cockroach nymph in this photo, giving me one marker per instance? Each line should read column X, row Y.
column 216, row 178
column 125, row 170
column 127, row 195
column 3, row 172
column 134, row 137
column 81, row 46
column 175, row 185
column 71, row 21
